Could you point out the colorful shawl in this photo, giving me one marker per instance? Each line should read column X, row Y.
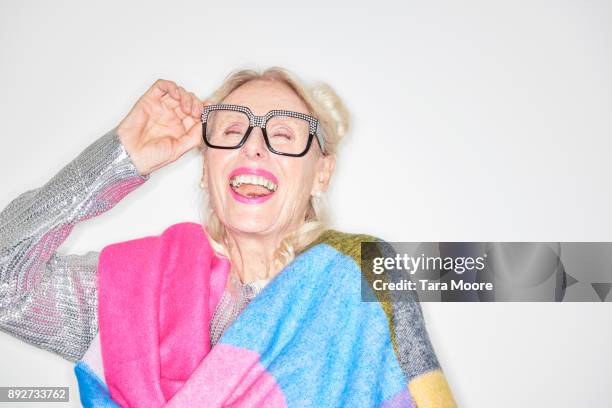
column 307, row 340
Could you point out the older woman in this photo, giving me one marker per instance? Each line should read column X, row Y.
column 261, row 307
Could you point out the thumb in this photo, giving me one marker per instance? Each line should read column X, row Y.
column 191, row 139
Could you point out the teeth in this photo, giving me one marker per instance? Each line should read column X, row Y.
column 252, row 179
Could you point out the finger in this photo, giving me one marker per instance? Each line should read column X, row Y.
column 188, row 122
column 207, row 102
column 188, row 141
column 162, row 87
column 197, row 106
column 185, row 101
column 170, row 102
column 178, row 111
column 174, row 106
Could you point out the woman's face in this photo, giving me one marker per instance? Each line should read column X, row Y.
column 253, row 208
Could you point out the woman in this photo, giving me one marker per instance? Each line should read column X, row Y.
column 261, row 307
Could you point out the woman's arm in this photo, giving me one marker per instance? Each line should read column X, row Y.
column 48, row 299
column 415, row 353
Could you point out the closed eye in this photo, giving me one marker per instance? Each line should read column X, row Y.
column 233, row 130
column 285, row 136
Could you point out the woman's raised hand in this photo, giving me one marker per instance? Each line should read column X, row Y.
column 163, row 125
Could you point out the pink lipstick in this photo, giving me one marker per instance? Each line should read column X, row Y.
column 254, row 176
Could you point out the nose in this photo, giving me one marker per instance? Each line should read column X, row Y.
column 255, row 145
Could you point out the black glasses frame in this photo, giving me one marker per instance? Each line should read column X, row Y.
column 314, row 128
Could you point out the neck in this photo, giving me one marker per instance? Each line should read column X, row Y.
column 252, row 256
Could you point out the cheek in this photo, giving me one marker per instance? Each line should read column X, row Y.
column 300, row 175
column 214, row 166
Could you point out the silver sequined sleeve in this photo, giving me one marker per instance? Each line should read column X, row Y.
column 46, row 298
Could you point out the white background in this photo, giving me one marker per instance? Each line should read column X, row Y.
column 473, row 121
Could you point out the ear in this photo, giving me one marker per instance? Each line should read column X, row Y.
column 325, row 170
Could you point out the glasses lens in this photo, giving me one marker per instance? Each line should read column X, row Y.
column 226, row 128
column 288, row 134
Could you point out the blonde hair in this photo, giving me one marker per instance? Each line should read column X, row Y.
column 324, row 104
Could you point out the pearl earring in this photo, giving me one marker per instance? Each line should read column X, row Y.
column 202, row 184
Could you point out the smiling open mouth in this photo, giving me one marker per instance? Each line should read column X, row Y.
column 252, row 186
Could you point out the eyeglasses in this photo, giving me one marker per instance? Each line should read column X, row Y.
column 285, row 132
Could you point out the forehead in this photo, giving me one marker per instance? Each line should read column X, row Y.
column 262, row 96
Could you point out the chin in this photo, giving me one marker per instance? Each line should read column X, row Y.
column 250, row 225
column 250, row 228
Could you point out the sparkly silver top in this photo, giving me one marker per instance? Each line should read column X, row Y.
column 234, row 299
column 49, row 299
